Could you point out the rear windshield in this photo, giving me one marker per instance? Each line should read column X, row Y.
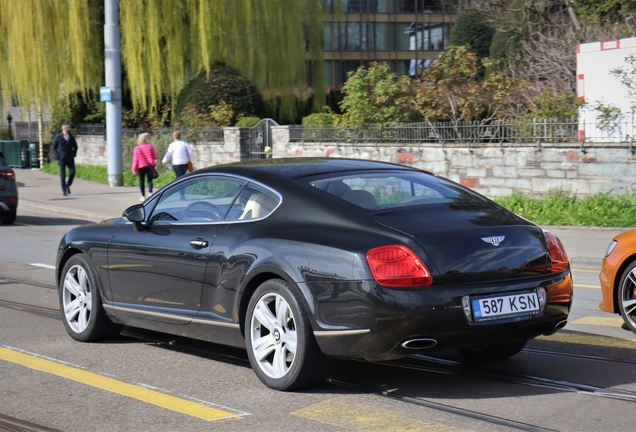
column 377, row 190
column 3, row 161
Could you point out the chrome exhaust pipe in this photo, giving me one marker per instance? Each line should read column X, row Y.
column 419, row 343
column 560, row 325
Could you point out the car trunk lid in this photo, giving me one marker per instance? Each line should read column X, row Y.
column 471, row 242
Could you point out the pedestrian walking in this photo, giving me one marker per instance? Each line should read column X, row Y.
column 65, row 150
column 180, row 152
column 143, row 163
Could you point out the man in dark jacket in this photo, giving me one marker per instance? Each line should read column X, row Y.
column 65, row 149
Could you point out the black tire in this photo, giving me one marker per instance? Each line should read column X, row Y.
column 626, row 296
column 81, row 305
column 287, row 329
column 8, row 218
column 491, row 351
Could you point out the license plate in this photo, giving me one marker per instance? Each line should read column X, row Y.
column 505, row 306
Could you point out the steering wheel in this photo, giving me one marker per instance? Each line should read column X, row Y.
column 163, row 216
column 190, row 212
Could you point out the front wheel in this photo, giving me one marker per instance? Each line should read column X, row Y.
column 280, row 342
column 491, row 351
column 627, row 297
column 80, row 303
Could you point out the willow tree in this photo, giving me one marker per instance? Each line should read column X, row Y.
column 48, row 50
column 52, row 48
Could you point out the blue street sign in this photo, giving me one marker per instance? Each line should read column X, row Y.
column 105, row 94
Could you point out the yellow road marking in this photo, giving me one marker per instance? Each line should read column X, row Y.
column 585, row 270
column 600, row 321
column 587, row 286
column 360, row 417
column 583, row 339
column 114, row 386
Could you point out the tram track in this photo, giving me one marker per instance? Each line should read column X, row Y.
column 440, row 407
column 172, row 343
column 459, row 368
column 38, row 310
column 433, row 364
column 418, row 362
column 7, row 280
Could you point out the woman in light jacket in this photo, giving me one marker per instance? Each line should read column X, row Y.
column 144, row 156
column 180, row 153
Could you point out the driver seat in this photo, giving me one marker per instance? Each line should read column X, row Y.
column 259, row 205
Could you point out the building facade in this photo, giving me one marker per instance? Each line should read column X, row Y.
column 406, row 34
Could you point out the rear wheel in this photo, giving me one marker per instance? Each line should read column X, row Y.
column 491, row 351
column 80, row 303
column 8, row 218
column 280, row 342
column 627, row 297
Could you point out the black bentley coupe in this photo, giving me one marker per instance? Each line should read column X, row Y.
column 300, row 260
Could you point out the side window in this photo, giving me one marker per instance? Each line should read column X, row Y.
column 380, row 191
column 198, row 200
column 254, row 202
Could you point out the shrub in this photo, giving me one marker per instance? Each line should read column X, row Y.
column 319, row 119
column 247, row 122
column 222, row 84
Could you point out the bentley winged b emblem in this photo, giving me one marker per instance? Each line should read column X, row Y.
column 494, row 240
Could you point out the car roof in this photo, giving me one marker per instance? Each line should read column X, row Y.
column 291, row 168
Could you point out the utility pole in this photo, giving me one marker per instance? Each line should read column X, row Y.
column 112, row 57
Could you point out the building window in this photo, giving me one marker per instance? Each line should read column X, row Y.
column 327, row 36
column 329, row 73
column 353, row 36
column 381, row 36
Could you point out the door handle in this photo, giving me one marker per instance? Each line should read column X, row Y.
column 199, row 243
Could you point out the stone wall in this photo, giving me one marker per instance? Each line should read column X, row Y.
column 492, row 170
column 92, row 150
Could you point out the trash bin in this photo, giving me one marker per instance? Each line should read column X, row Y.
column 12, row 150
column 34, row 148
column 25, row 157
column 35, row 153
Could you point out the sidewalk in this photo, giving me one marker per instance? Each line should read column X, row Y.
column 95, row 202
column 88, row 200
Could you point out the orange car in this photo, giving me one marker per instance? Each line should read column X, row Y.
column 618, row 278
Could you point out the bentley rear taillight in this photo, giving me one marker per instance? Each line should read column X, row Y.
column 557, row 253
column 9, row 175
column 397, row 265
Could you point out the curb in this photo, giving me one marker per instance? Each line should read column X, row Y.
column 93, row 217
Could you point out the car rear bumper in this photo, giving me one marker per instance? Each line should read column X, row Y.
column 8, row 203
column 387, row 323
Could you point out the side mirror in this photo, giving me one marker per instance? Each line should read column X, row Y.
column 136, row 213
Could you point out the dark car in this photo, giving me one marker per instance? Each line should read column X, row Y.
column 8, row 192
column 298, row 260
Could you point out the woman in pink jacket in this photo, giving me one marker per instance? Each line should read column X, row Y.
column 144, row 156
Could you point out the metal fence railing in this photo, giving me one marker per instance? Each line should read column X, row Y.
column 191, row 135
column 28, row 131
column 91, row 129
column 583, row 130
column 499, row 131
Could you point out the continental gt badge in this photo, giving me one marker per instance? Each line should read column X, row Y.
column 494, row 240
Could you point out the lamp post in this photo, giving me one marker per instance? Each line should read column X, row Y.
column 9, row 119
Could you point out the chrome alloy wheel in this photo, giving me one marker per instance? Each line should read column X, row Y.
column 77, row 299
column 273, row 335
column 627, row 298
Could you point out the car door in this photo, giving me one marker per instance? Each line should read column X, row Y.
column 157, row 268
